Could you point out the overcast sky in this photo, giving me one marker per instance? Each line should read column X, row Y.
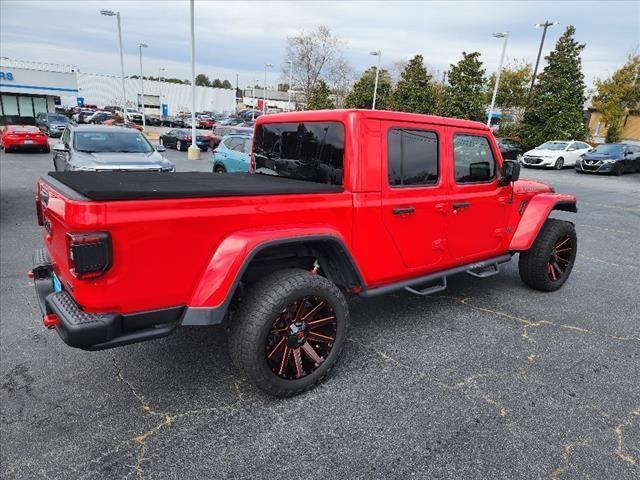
column 240, row 37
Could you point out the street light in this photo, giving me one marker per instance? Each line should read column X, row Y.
column 253, row 100
column 110, row 13
column 544, row 25
column 160, row 70
column 194, row 152
column 375, row 86
column 140, row 47
column 290, row 62
column 264, row 106
column 504, row 35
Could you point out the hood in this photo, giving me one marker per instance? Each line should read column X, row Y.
column 536, row 152
column 124, row 161
column 529, row 187
column 602, row 156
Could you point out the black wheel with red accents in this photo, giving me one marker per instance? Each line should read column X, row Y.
column 289, row 331
column 549, row 261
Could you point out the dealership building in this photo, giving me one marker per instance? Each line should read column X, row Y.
column 29, row 88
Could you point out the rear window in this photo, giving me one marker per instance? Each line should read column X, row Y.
column 25, row 129
column 312, row 151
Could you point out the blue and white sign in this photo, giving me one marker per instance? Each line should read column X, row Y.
column 6, row 76
column 165, row 109
column 80, row 101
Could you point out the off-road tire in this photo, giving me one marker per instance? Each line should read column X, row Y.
column 533, row 263
column 559, row 164
column 264, row 302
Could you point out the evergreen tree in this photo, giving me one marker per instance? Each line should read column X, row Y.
column 513, row 89
column 464, row 97
column 202, row 80
column 361, row 95
column 319, row 99
column 226, row 84
column 414, row 91
column 618, row 94
column 555, row 110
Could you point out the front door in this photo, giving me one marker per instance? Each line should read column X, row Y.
column 479, row 207
column 414, row 193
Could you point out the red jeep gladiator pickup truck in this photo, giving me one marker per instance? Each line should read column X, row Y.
column 338, row 203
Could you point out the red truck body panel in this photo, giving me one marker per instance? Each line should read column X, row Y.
column 191, row 251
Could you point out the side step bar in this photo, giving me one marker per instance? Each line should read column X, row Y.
column 475, row 269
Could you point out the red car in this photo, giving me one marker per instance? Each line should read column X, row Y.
column 23, row 137
column 342, row 203
column 206, row 122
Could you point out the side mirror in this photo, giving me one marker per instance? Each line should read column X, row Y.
column 160, row 148
column 510, row 172
column 60, row 147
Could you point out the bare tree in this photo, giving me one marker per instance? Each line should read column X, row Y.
column 314, row 55
column 340, row 78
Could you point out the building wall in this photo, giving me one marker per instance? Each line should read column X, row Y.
column 102, row 90
column 630, row 128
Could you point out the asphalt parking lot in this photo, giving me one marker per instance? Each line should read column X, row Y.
column 487, row 380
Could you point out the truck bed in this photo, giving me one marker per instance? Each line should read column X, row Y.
column 111, row 186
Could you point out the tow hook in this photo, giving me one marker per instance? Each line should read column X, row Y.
column 50, row 320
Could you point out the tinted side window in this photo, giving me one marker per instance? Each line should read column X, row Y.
column 311, row 151
column 473, row 159
column 412, row 157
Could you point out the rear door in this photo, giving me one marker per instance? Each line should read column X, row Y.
column 414, row 193
column 478, row 221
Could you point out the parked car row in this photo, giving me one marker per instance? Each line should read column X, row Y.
column 615, row 158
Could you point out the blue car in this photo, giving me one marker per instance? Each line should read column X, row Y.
column 232, row 153
column 616, row 158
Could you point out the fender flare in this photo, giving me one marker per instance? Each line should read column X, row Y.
column 217, row 284
column 536, row 212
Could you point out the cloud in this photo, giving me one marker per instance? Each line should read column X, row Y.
column 240, row 37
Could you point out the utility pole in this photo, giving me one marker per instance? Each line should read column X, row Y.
column 110, row 13
column 194, row 152
column 504, row 35
column 544, row 25
column 264, row 105
column 290, row 80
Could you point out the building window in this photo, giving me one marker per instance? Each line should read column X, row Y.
column 9, row 105
column 26, row 106
column 39, row 105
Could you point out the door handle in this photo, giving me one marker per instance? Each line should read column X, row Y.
column 460, row 205
column 403, row 210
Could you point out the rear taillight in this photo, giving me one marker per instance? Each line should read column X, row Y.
column 89, row 254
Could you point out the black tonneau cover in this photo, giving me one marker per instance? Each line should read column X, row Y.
column 105, row 186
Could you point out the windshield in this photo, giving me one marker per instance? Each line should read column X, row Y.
column 122, row 142
column 553, row 146
column 58, row 118
column 609, row 149
column 311, row 151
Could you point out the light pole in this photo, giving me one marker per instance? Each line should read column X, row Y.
column 194, row 152
column 160, row 70
column 110, row 13
column 544, row 25
column 140, row 47
column 504, row 35
column 264, row 103
column 378, row 54
column 253, row 100
column 290, row 62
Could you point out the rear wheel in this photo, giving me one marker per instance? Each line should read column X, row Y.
column 219, row 169
column 289, row 331
column 559, row 164
column 179, row 145
column 549, row 261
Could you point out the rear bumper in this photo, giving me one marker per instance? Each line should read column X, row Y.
column 97, row 331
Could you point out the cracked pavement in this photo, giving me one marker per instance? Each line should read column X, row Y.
column 487, row 380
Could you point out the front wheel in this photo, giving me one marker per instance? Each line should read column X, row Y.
column 289, row 331
column 549, row 261
column 219, row 169
column 559, row 164
column 618, row 169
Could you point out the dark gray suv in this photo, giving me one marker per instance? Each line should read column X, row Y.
column 53, row 124
column 107, row 148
